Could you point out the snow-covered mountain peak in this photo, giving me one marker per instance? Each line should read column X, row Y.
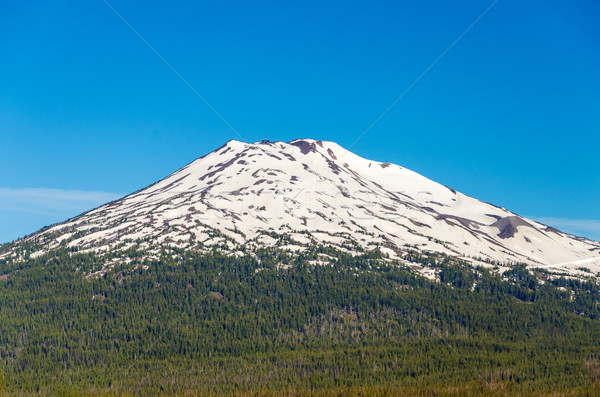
column 241, row 195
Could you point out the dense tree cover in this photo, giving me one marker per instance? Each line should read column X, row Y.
column 212, row 323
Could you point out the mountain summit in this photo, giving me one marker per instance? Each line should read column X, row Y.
column 244, row 196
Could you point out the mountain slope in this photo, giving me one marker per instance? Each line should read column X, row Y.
column 243, row 196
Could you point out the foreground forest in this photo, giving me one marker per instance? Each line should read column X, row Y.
column 212, row 324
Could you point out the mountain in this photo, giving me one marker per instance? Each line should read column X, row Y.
column 244, row 196
column 297, row 269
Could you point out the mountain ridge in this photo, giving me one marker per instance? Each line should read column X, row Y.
column 237, row 197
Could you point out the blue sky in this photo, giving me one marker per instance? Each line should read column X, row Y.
column 509, row 115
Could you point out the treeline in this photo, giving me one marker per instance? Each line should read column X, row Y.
column 213, row 323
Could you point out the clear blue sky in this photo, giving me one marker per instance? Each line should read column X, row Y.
column 510, row 115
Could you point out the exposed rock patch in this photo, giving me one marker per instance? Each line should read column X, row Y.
column 508, row 226
column 305, row 147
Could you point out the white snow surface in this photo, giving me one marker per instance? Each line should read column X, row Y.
column 315, row 191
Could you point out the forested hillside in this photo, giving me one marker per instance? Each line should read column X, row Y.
column 208, row 323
